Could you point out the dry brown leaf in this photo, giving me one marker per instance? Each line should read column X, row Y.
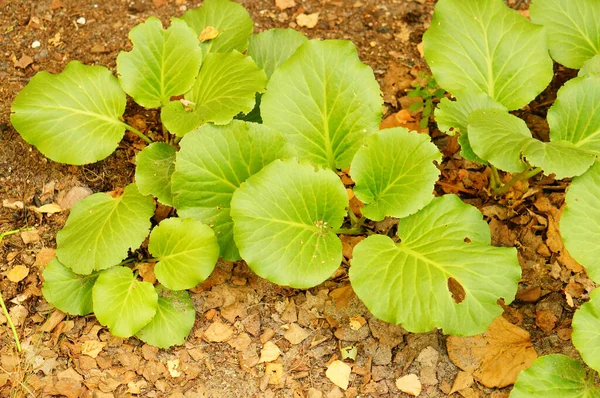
column 463, row 380
column 296, row 334
column 92, row 348
column 68, row 199
column 218, row 332
column 409, row 384
column 53, row 320
column 284, row 4
column 241, row 342
column 208, row 33
column 339, row 374
column 18, row 273
column 342, row 295
column 30, row 236
column 269, row 353
column 23, row 62
column 56, row 4
column 495, row 357
column 44, row 257
column 348, row 244
column 172, row 367
column 50, row 208
column 357, row 322
column 146, row 271
column 308, row 20
column 275, row 372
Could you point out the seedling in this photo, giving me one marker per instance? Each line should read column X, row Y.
column 427, row 89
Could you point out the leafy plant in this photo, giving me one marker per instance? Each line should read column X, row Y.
column 429, row 92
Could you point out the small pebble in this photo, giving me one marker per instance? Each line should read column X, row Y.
column 81, row 21
column 36, row 44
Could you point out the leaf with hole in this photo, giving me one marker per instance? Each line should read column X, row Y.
column 285, row 222
column 72, row 117
column 67, row 291
column 155, row 165
column 212, row 163
column 101, row 229
column 442, row 273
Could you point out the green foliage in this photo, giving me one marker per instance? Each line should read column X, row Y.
column 428, row 93
column 271, row 48
column 586, row 324
column 68, row 291
column 155, row 166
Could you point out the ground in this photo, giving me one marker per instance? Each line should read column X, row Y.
column 241, row 316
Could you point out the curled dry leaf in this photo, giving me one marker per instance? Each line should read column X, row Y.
column 409, row 384
column 208, row 33
column 339, row 374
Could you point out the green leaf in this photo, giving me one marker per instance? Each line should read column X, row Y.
column 271, row 48
column 123, row 303
column 68, row 291
column 580, row 222
column 586, row 330
column 101, row 229
column 72, row 117
column 554, row 376
column 484, row 46
column 285, row 219
column 231, row 20
column 394, row 173
column 590, row 66
column 226, row 86
column 174, row 319
column 187, row 252
column 324, row 101
column 162, row 64
column 571, row 28
column 408, row 282
column 212, row 163
column 451, row 118
column 154, row 166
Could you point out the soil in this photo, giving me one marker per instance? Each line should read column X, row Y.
column 249, row 311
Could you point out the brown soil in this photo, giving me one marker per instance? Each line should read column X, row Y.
column 386, row 34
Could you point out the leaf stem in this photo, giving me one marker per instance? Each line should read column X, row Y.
column 350, row 231
column 495, row 181
column 522, row 176
column 137, row 132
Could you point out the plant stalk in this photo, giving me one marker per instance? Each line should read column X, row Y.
column 522, row 176
column 350, row 231
column 494, row 178
column 137, row 132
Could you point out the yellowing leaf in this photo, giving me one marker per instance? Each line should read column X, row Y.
column 339, row 374
column 172, row 366
column 50, row 208
column 349, row 352
column 409, row 384
column 275, row 372
column 269, row 352
column 208, row 33
column 18, row 273
column 357, row 322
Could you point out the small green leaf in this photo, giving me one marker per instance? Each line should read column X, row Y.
column 162, row 64
column 212, row 163
column 101, row 229
column 554, row 376
column 174, row 319
column 231, row 20
column 123, row 303
column 68, row 291
column 187, row 252
column 484, row 46
column 226, row 86
column 444, row 245
column 586, row 330
column 590, row 66
column 394, row 173
column 571, row 28
column 271, row 48
column 580, row 222
column 72, row 117
column 324, row 101
column 285, row 219
column 154, row 166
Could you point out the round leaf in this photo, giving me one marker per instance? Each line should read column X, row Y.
column 554, row 376
column 271, row 48
column 571, row 28
column 586, row 330
column 590, row 66
column 162, row 64
column 394, row 173
column 212, row 163
column 123, row 303
column 324, row 101
column 443, row 273
column 72, row 117
column 101, row 229
column 174, row 319
column 285, row 218
column 226, row 86
column 580, row 222
column 228, row 20
column 187, row 252
column 484, row 46
column 154, row 166
column 68, row 291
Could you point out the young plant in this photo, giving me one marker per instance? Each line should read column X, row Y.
column 430, row 93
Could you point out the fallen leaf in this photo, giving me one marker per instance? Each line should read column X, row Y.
column 463, row 380
column 70, row 374
column 357, row 322
column 275, row 372
column 308, row 20
column 159, row 3
column 218, row 332
column 44, row 257
column 342, row 295
column 23, row 62
column 146, row 271
column 284, row 4
column 269, row 353
column 349, row 352
column 296, row 334
column 339, row 374
column 92, row 348
column 496, row 357
column 16, row 205
column 68, row 199
column 18, row 273
column 208, row 33
column 56, row 4
column 172, row 366
column 348, row 243
column 545, row 320
column 53, row 320
column 409, row 384
column 49, row 208
column 30, row 236
column 241, row 342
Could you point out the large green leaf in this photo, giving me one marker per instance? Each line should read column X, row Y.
column 484, row 46
column 324, row 101
column 444, row 245
column 163, row 63
column 590, row 66
column 394, row 173
column 271, row 48
column 101, row 229
column 123, row 303
column 285, row 219
column 554, row 376
column 571, row 28
column 72, row 117
column 68, row 291
column 226, row 86
column 154, row 166
column 212, row 163
column 586, row 331
column 231, row 21
column 186, row 250
column 174, row 319
column 580, row 222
